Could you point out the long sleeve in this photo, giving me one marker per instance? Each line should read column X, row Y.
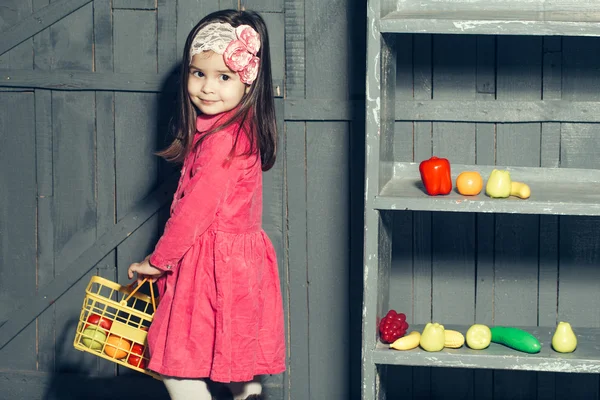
column 213, row 176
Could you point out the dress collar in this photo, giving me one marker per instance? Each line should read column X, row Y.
column 205, row 122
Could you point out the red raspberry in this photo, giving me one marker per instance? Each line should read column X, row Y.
column 392, row 326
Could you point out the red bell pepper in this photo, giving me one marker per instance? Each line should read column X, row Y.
column 435, row 174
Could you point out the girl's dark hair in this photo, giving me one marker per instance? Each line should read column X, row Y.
column 257, row 106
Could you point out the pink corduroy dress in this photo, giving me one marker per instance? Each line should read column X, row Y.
column 220, row 314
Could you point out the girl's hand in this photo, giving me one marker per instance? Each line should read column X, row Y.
column 144, row 270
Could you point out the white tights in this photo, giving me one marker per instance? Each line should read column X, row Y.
column 197, row 389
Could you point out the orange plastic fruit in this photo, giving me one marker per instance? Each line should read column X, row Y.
column 117, row 347
column 469, row 183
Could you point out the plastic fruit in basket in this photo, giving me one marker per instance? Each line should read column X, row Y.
column 93, row 338
column 135, row 357
column 102, row 322
column 117, row 347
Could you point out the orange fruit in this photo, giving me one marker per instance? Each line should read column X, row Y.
column 117, row 347
column 469, row 183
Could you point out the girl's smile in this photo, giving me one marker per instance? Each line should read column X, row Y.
column 214, row 88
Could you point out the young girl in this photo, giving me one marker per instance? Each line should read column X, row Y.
column 220, row 317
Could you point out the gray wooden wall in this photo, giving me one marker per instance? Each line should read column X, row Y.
column 85, row 90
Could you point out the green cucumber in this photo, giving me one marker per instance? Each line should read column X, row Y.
column 515, row 338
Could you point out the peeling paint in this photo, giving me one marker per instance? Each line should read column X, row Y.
column 559, row 366
column 466, row 25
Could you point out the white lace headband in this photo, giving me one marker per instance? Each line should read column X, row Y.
column 239, row 47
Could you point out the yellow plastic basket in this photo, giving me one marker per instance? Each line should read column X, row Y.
column 114, row 323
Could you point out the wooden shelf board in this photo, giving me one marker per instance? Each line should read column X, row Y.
column 557, row 191
column 585, row 358
column 492, row 19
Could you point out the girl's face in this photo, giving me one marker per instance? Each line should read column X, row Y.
column 214, row 88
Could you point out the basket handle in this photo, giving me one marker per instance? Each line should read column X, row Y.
column 135, row 289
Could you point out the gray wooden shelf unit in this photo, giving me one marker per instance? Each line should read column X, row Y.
column 391, row 185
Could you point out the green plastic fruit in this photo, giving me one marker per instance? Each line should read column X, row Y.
column 479, row 336
column 515, row 338
column 93, row 338
column 433, row 337
column 564, row 339
column 498, row 184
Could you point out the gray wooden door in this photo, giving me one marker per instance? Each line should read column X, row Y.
column 85, row 91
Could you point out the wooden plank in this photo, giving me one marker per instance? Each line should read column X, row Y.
column 263, row 5
column 18, row 319
column 332, row 51
column 517, row 237
column 585, row 361
column 134, row 4
column 37, row 22
column 578, row 141
column 327, row 257
column 18, row 220
column 275, row 24
column 486, row 91
column 423, row 149
column 82, row 80
column 76, row 385
column 401, row 279
column 21, row 55
column 453, row 259
column 295, row 68
column 453, row 272
column 555, row 191
column 45, row 223
column 401, row 272
column 274, row 207
column 136, row 136
column 508, row 18
column 73, row 124
column 327, row 109
column 550, row 157
column 168, row 57
column 327, row 157
column 403, row 144
column 43, row 61
column 453, row 111
column 298, row 328
column 136, row 166
column 169, row 66
column 485, row 154
column 105, row 149
column 571, row 386
column 377, row 244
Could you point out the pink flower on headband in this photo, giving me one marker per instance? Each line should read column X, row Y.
column 249, row 37
column 250, row 71
column 240, row 54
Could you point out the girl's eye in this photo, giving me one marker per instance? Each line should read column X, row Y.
column 197, row 74
column 225, row 77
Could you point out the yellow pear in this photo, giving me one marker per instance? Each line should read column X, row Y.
column 564, row 340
